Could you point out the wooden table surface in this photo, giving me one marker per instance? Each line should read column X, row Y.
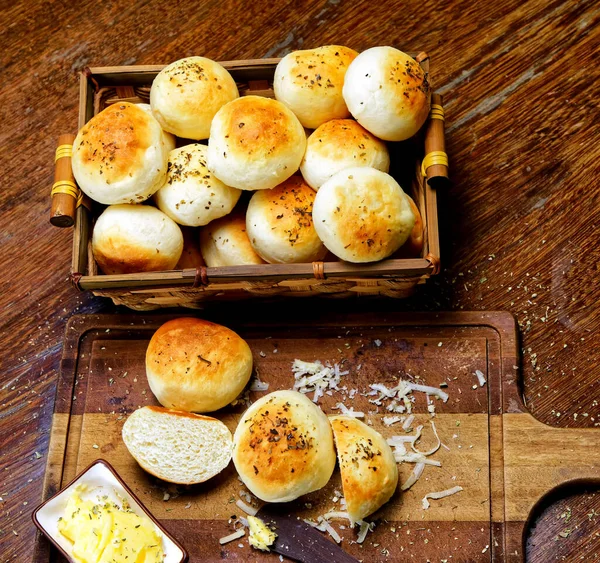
column 520, row 224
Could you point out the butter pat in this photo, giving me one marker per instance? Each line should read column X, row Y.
column 103, row 532
column 261, row 536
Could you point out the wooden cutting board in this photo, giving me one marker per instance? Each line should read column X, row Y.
column 504, row 459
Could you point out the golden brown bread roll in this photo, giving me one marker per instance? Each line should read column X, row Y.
column 367, row 464
column 388, row 93
column 135, row 238
column 362, row 215
column 309, row 82
column 191, row 257
column 414, row 245
column 255, row 143
column 280, row 226
column 120, row 155
column 283, row 447
column 191, row 195
column 225, row 242
column 340, row 144
column 186, row 95
column 195, row 365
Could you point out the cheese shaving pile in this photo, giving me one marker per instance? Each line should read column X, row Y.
column 314, row 377
column 402, row 392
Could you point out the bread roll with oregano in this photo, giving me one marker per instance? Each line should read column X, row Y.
column 388, row 93
column 362, row 215
column 280, row 226
column 186, row 95
column 283, row 447
column 255, row 143
column 120, row 155
column 367, row 464
column 310, row 82
column 195, row 365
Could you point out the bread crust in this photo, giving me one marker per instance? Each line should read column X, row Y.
column 191, row 195
column 255, row 143
column 367, row 464
column 195, row 365
column 340, row 144
column 120, row 155
column 280, row 226
column 283, row 447
column 362, row 215
column 310, row 81
column 135, row 238
column 388, row 93
column 186, row 95
column 225, row 242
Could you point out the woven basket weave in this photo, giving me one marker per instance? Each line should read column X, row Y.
column 100, row 87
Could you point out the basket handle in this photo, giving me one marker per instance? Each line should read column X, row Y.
column 434, row 167
column 65, row 195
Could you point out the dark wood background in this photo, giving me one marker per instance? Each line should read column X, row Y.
column 520, row 224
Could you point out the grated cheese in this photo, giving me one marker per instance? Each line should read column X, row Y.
column 408, row 422
column 258, row 385
column 480, row 377
column 439, row 495
column 432, row 450
column 332, row 532
column 246, row 508
column 232, row 537
column 414, row 476
column 389, row 420
column 349, row 411
column 337, row 515
column 314, row 377
column 365, row 528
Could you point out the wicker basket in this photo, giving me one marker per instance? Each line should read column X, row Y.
column 102, row 86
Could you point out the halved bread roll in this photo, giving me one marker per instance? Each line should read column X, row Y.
column 367, row 464
column 176, row 446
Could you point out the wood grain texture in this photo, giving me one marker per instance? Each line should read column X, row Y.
column 519, row 83
column 505, row 460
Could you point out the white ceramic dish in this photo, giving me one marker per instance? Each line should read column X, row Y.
column 100, row 479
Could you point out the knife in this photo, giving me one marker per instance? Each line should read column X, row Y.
column 299, row 541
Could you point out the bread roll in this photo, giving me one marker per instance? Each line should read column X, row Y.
column 367, row 465
column 362, row 215
column 120, row 155
column 283, row 447
column 310, row 83
column 191, row 256
column 136, row 238
column 168, row 138
column 255, row 143
column 195, row 365
column 388, row 93
column 178, row 447
column 224, row 242
column 191, row 195
column 280, row 225
column 186, row 95
column 414, row 244
column 340, row 144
